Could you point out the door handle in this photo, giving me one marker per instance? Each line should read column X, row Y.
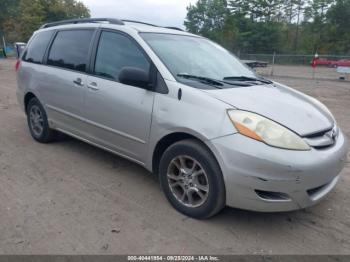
column 93, row 86
column 78, row 82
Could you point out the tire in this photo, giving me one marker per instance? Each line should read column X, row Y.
column 194, row 193
column 36, row 116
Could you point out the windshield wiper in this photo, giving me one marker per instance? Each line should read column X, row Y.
column 217, row 83
column 247, row 79
column 204, row 79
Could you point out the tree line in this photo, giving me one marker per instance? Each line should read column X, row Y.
column 19, row 18
column 246, row 26
column 266, row 26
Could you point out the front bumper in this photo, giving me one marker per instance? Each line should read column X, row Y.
column 263, row 178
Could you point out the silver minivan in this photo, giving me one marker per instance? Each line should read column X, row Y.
column 212, row 130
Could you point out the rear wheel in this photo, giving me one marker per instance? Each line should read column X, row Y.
column 192, row 180
column 38, row 123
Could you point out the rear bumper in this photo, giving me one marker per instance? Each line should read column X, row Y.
column 262, row 178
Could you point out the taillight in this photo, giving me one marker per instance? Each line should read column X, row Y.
column 18, row 64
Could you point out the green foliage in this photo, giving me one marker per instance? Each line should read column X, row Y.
column 211, row 18
column 299, row 26
column 32, row 15
column 7, row 9
column 258, row 10
column 19, row 18
column 338, row 31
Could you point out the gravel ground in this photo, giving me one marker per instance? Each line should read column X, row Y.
column 71, row 198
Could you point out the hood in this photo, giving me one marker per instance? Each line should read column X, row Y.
column 290, row 108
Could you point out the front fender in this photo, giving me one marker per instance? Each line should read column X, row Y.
column 196, row 113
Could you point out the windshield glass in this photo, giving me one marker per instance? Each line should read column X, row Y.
column 195, row 56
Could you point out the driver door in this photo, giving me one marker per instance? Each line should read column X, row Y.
column 119, row 116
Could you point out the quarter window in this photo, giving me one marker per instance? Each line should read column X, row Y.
column 37, row 47
column 70, row 49
column 116, row 51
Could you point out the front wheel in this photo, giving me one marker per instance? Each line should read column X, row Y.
column 192, row 180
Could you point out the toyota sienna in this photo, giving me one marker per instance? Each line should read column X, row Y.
column 212, row 130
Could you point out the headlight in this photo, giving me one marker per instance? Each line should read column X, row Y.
column 265, row 130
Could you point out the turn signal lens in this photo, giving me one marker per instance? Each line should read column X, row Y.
column 246, row 131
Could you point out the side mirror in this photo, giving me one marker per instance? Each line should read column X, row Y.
column 135, row 77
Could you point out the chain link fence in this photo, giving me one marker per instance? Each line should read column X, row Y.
column 297, row 66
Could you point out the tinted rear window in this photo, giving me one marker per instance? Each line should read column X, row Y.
column 70, row 49
column 37, row 47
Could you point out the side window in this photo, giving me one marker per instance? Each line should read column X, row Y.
column 37, row 47
column 70, row 49
column 116, row 51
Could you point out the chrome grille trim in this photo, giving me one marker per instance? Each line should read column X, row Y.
column 324, row 139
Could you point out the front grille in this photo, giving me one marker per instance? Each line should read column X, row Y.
column 323, row 139
column 319, row 134
column 323, row 147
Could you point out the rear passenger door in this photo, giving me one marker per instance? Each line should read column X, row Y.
column 65, row 78
column 119, row 115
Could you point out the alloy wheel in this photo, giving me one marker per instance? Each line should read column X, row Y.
column 188, row 181
column 36, row 120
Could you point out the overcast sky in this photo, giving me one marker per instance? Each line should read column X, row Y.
column 160, row 12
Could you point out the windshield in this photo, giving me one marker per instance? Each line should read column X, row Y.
column 190, row 55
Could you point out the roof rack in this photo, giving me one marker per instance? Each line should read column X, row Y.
column 113, row 21
column 83, row 20
column 138, row 22
column 174, row 28
column 143, row 23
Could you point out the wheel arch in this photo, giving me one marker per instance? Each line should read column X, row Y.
column 28, row 96
column 170, row 139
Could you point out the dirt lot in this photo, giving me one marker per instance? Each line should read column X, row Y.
column 71, row 198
